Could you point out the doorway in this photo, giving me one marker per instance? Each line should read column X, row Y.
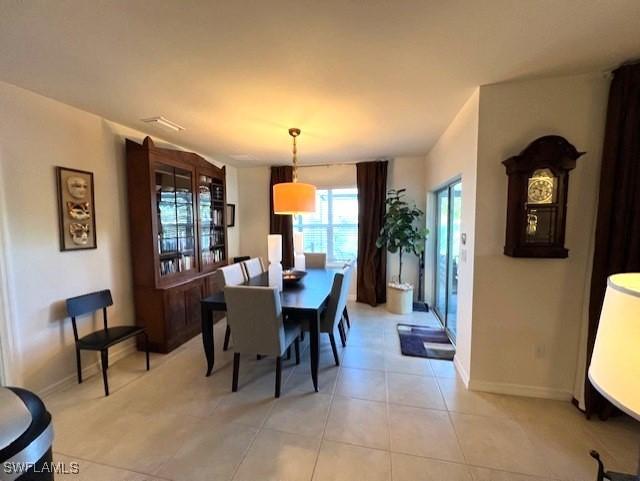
column 447, row 252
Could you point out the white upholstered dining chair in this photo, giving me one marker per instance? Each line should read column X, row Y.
column 315, row 260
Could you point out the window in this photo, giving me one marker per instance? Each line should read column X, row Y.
column 333, row 228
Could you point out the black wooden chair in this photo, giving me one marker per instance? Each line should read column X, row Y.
column 103, row 339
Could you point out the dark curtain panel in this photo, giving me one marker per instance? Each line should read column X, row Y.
column 617, row 245
column 372, row 262
column 282, row 224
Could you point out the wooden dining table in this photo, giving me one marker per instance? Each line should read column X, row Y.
column 304, row 301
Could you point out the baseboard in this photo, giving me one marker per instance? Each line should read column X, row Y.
column 464, row 375
column 520, row 390
column 124, row 349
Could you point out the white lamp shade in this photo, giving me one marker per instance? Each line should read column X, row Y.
column 274, row 242
column 615, row 364
column 298, row 242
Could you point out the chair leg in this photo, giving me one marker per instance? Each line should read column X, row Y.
column 289, row 353
column 343, row 336
column 227, row 335
column 79, row 365
column 146, row 349
column 105, row 365
column 236, row 371
column 278, row 375
column 302, row 336
column 297, row 349
column 346, row 317
column 334, row 348
column 258, row 357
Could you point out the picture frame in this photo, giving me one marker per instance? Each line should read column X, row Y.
column 231, row 215
column 76, row 209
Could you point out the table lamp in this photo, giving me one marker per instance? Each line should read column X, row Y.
column 615, row 363
column 298, row 251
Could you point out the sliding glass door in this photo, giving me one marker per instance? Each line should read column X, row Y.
column 448, row 210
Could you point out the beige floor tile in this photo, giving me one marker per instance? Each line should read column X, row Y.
column 88, row 471
column 411, row 390
column 212, row 451
column 300, row 413
column 344, row 462
column 245, row 408
column 566, row 451
column 277, row 456
column 396, row 362
column 129, row 440
column 358, row 421
column 362, row 384
column 300, row 380
column 413, row 468
column 423, row 432
column 363, row 358
column 621, row 436
column 459, row 399
column 444, row 369
column 484, row 474
column 498, row 443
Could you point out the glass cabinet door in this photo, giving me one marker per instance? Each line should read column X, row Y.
column 211, row 216
column 176, row 229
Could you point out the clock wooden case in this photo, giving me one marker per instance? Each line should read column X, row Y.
column 178, row 230
column 537, row 198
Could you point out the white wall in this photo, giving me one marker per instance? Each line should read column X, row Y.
column 253, row 191
column 455, row 156
column 528, row 313
column 36, row 134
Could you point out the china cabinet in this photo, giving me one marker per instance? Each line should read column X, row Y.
column 177, row 221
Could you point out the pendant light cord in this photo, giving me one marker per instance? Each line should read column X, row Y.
column 294, row 132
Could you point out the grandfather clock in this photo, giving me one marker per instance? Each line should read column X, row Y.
column 537, row 198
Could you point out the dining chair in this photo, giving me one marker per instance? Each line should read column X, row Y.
column 102, row 339
column 255, row 315
column 253, row 267
column 332, row 316
column 232, row 275
column 348, row 264
column 315, row 260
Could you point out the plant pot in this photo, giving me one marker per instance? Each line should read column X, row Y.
column 400, row 298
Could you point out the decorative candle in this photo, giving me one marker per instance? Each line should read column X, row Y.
column 274, row 242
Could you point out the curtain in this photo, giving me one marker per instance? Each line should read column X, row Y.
column 282, row 224
column 372, row 262
column 617, row 241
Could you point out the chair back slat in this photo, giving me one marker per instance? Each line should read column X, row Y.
column 88, row 303
column 252, row 267
column 233, row 275
column 315, row 260
column 255, row 317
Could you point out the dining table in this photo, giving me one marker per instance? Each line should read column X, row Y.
column 302, row 301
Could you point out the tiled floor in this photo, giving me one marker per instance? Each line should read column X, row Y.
column 380, row 416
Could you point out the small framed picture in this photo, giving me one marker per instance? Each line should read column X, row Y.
column 76, row 209
column 231, row 215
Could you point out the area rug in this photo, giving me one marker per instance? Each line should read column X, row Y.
column 422, row 341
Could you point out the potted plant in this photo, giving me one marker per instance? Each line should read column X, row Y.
column 401, row 234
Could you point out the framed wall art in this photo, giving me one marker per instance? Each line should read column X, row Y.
column 76, row 209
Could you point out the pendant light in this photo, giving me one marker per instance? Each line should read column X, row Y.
column 291, row 198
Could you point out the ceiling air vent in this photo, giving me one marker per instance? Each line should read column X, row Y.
column 163, row 123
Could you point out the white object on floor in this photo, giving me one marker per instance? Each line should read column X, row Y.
column 400, row 298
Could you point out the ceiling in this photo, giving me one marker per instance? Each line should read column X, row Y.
column 362, row 79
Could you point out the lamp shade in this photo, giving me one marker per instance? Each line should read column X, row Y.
column 615, row 363
column 294, row 198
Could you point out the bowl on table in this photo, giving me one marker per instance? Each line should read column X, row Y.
column 292, row 277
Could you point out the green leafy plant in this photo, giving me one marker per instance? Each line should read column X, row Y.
column 401, row 232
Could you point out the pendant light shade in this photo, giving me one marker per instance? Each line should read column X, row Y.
column 294, row 198
column 291, row 198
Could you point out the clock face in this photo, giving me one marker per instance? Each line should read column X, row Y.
column 540, row 190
